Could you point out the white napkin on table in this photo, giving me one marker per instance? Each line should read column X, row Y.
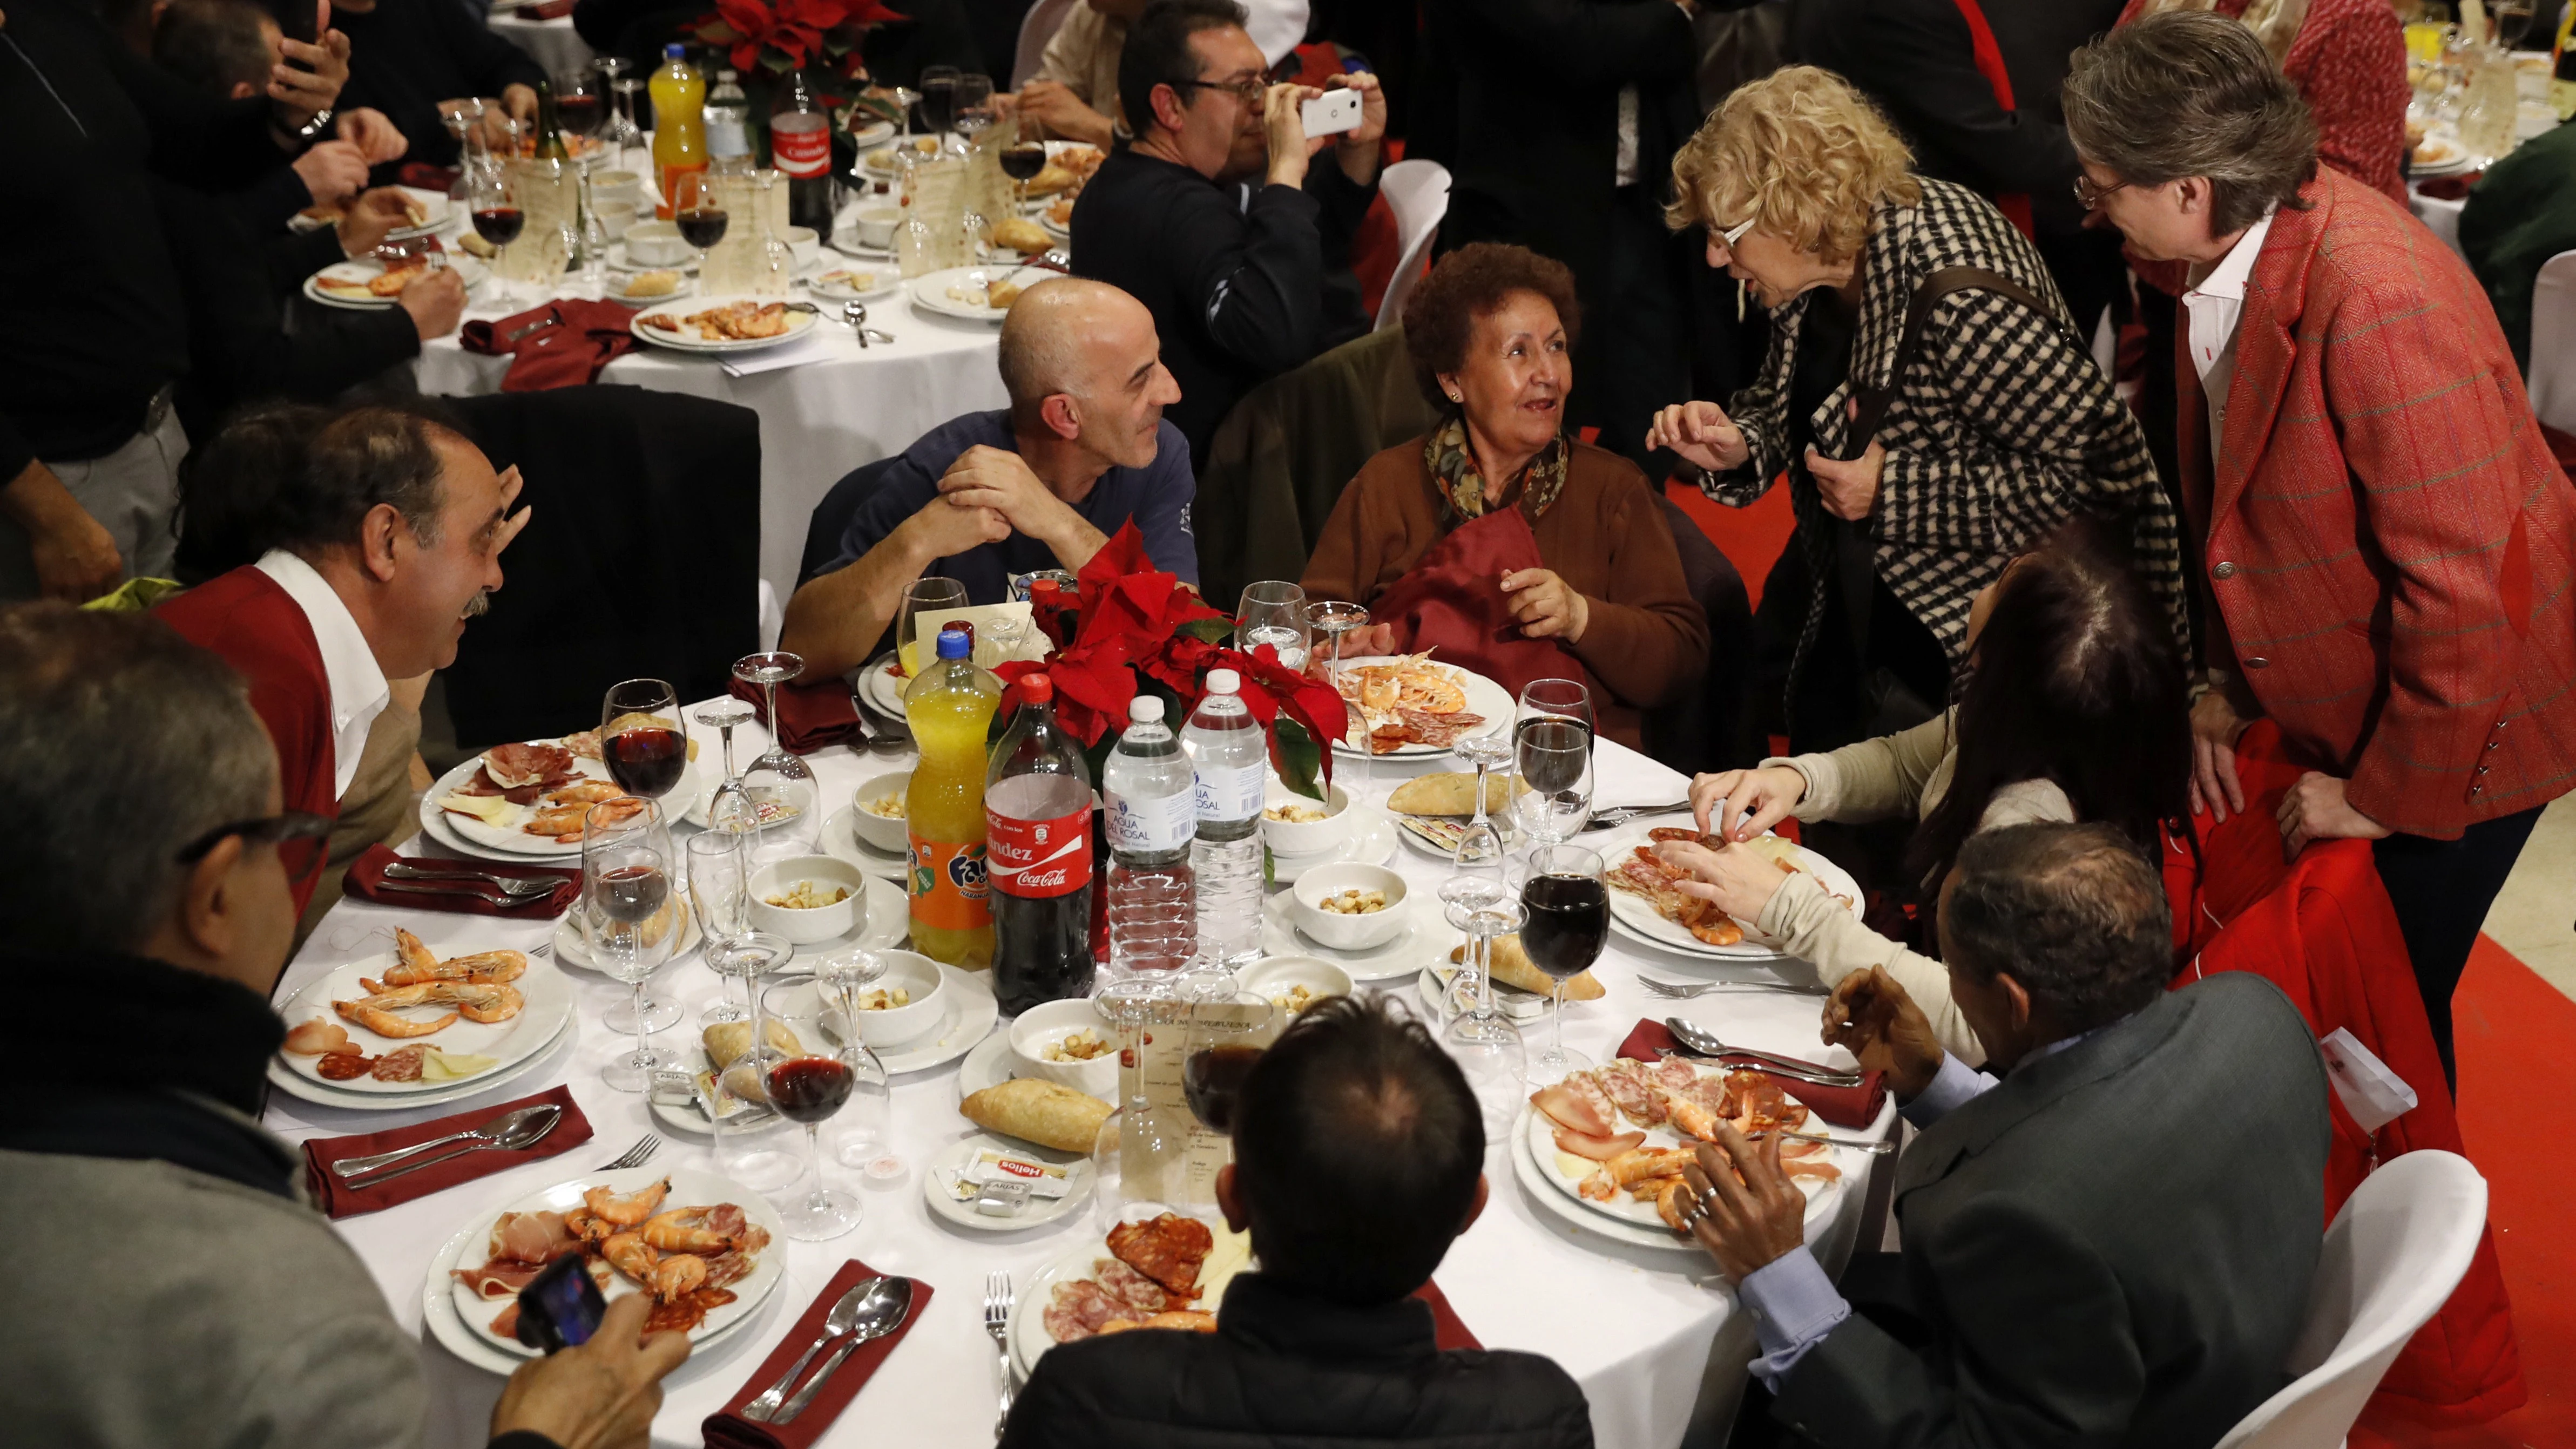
column 809, row 348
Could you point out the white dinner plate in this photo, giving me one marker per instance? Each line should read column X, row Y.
column 1557, row 1197
column 1040, row 1211
column 572, row 950
column 836, row 284
column 1027, row 1329
column 546, row 1006
column 508, row 841
column 1538, row 1137
column 1517, row 1004
column 440, row 211
column 1425, row 939
column 841, row 842
column 367, row 269
column 882, row 686
column 929, row 291
column 1369, row 840
column 1631, row 915
column 329, row 1094
column 462, row 1320
column 613, row 285
column 798, row 324
column 881, row 161
column 1486, row 699
column 2444, row 156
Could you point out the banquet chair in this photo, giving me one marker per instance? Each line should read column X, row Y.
column 1710, row 727
column 1418, row 193
column 2551, row 377
column 1037, row 27
column 2394, row 1254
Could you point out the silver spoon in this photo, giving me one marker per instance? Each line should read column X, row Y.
column 844, row 1321
column 510, row 1133
column 856, row 314
column 888, row 1304
column 1700, row 1042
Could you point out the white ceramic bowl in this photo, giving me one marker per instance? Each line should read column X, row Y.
column 1290, row 837
column 1272, row 976
column 821, row 923
column 616, row 218
column 877, row 831
column 656, row 244
column 1341, row 932
column 619, row 183
column 804, row 242
column 897, row 1025
column 874, row 225
column 1041, row 1026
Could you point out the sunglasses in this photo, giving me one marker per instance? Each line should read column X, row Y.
column 299, row 836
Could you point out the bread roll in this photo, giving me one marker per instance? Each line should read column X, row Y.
column 1450, row 792
column 1034, row 1110
column 1512, row 967
column 727, row 1040
column 1021, row 235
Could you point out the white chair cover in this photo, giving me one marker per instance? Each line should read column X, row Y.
column 2551, row 378
column 1418, row 193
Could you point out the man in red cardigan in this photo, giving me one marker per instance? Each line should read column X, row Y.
column 2386, row 546
column 395, row 531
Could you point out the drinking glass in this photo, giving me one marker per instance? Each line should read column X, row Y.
column 463, row 120
column 1228, row 1033
column 1569, row 702
column 1483, row 1041
column 1335, row 619
column 922, row 596
column 938, row 98
column 1022, row 160
column 621, row 136
column 1273, row 613
column 640, row 738
column 904, row 99
column 729, row 807
column 862, row 1133
column 698, row 209
column 1562, row 697
column 580, row 107
column 1566, row 905
column 1481, row 848
column 1552, row 755
column 807, row 1086
column 971, row 106
column 498, row 219
column 1140, row 1150
column 2511, row 19
column 781, row 787
column 630, row 915
column 720, row 892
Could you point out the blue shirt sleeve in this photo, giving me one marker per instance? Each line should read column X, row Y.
column 1956, row 1085
column 911, row 481
column 1162, row 513
column 1794, row 1305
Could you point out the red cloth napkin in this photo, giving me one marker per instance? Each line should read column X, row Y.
column 366, row 880
column 342, row 1201
column 1842, row 1106
column 1453, row 600
column 817, row 715
column 550, row 10
column 2450, row 188
column 1447, row 1330
column 728, row 1429
column 564, row 343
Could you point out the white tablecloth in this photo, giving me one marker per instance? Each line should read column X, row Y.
column 2440, row 216
column 553, row 44
column 1639, row 1328
column 818, row 420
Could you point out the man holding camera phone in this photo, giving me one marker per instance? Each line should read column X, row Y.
column 1241, row 286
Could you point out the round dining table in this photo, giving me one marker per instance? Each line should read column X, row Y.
column 1653, row 1335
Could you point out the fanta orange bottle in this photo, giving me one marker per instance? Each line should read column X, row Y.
column 949, row 707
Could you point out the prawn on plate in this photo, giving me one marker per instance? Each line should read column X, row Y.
column 415, row 964
column 627, row 1210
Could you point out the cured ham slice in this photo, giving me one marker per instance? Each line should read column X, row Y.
column 1599, row 1149
column 498, row 1280
column 512, row 767
column 1567, row 1105
column 1129, row 1287
column 1081, row 1309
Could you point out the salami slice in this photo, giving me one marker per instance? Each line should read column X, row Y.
column 399, row 1065
column 342, row 1066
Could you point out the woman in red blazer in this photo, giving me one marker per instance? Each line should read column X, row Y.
column 2385, row 548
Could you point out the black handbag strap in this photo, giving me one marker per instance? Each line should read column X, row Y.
column 1871, row 404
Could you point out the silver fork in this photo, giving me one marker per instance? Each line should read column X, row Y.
column 1690, row 990
column 997, row 1325
column 508, row 884
column 634, row 1156
column 541, row 950
column 1618, row 815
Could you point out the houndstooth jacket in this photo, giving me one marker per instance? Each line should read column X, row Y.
column 2003, row 427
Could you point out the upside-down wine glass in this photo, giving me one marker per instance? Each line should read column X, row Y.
column 862, row 1133
column 781, row 786
column 1335, row 619
column 1566, row 904
column 1483, row 1041
column 729, row 806
column 720, row 892
column 1139, row 1147
column 807, row 1088
column 631, row 915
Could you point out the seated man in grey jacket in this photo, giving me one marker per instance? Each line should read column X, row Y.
column 193, row 1297
column 2110, row 1246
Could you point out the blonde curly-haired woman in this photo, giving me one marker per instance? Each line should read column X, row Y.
column 1925, row 394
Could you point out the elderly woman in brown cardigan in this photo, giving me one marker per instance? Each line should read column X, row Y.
column 1589, row 585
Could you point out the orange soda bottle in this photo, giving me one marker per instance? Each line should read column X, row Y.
column 679, row 124
column 949, row 708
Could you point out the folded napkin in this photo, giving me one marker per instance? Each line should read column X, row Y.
column 1447, row 1330
column 1453, row 601
column 366, row 880
column 728, row 1429
column 563, row 343
column 2450, row 188
column 339, row 1200
column 1842, row 1106
column 812, row 347
column 815, row 715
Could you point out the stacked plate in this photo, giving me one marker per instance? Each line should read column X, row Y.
column 689, row 339
column 1632, row 916
column 509, row 842
column 545, row 1018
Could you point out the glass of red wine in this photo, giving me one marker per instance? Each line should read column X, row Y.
column 697, row 209
column 580, row 104
column 632, row 916
column 1568, row 905
column 640, row 738
column 1228, row 1034
column 938, row 98
column 808, row 1073
column 497, row 217
column 1022, row 160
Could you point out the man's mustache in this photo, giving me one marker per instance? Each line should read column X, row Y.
column 477, row 606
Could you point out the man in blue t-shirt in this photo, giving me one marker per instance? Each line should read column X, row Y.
column 1081, row 450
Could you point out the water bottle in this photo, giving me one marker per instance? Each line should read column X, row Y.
column 1150, row 817
column 728, row 113
column 1227, row 759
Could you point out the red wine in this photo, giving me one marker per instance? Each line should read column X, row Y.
column 1569, row 922
column 809, row 1089
column 499, row 225
column 1024, row 161
column 1213, row 1080
column 938, row 103
column 645, row 762
column 631, row 893
column 579, row 115
column 701, row 226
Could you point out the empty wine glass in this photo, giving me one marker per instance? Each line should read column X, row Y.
column 808, row 1078
column 1483, row 1041
column 1566, row 921
column 1273, row 612
column 1335, row 619
column 729, row 806
column 781, row 787
column 1481, row 847
column 719, row 890
column 922, row 596
column 862, row 1133
column 1140, row 1150
column 631, row 916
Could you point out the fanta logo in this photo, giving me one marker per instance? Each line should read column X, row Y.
column 966, row 872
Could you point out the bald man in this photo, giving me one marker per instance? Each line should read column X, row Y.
column 1041, row 484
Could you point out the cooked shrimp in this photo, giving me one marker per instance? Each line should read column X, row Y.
column 588, row 792
column 483, row 1001
column 1600, row 1186
column 676, row 1232
column 630, row 1209
column 1429, row 691
column 414, row 962
column 1688, row 1114
column 489, row 967
column 1379, row 689
column 666, row 1278
column 384, row 1023
column 1670, row 1202
column 1630, row 1168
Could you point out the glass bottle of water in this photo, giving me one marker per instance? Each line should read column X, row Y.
column 1151, row 817
column 1226, row 758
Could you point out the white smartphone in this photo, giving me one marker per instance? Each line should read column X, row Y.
column 1331, row 113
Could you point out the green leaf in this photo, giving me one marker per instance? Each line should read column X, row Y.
column 716, row 32
column 1211, row 631
column 1293, row 753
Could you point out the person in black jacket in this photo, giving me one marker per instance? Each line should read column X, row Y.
column 1238, row 289
column 1358, row 1148
column 408, row 57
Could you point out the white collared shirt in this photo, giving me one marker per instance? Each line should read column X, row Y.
column 2216, row 302
column 358, row 689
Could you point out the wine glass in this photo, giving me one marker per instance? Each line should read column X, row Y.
column 860, row 1135
column 497, row 217
column 580, row 107
column 1228, row 1033
column 729, row 808
column 698, row 209
column 971, row 106
column 1483, row 1041
column 1335, row 619
column 781, row 786
column 720, row 892
column 1567, row 907
column 464, row 120
column 806, row 1086
column 1273, row 612
column 1022, row 160
column 1481, row 847
column 922, row 596
column 1140, row 1149
column 630, row 915
column 2511, row 19
column 621, row 136
column 904, row 98
column 640, row 739
column 1552, row 755
column 1568, row 703
column 938, row 98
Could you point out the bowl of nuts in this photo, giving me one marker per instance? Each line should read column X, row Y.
column 1294, row 983
column 1349, row 907
column 1069, row 1043
column 809, row 899
column 1294, row 824
column 877, row 813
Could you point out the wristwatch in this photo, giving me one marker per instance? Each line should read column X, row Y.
column 312, row 130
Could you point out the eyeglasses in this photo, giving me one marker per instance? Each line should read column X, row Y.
column 1735, row 233
column 298, row 835
column 2089, row 196
column 1247, row 89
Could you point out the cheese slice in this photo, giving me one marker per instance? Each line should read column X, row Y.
column 490, row 809
column 1231, row 1254
column 439, row 1066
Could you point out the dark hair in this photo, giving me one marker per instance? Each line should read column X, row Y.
column 125, row 742
column 2076, row 679
column 362, row 458
column 1470, row 283
column 235, row 487
column 1157, row 52
column 2193, row 93
column 2072, row 911
column 212, row 45
column 1356, row 1146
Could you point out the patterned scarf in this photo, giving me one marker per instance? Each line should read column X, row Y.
column 1464, row 494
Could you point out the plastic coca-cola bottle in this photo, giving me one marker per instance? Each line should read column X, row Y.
column 1037, row 811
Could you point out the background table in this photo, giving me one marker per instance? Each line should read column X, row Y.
column 1641, row 1329
column 553, row 44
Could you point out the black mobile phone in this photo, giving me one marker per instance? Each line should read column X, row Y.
column 561, row 1306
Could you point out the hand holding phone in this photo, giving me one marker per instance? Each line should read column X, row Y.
column 1331, row 113
column 561, row 1307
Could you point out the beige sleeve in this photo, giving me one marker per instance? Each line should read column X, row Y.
column 1813, row 926
column 1067, row 57
column 2024, row 802
column 1880, row 779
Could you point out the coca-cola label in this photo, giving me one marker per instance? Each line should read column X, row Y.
column 803, row 155
column 1038, row 858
